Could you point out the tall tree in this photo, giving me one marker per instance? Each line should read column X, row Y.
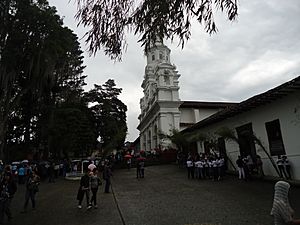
column 40, row 66
column 110, row 20
column 110, row 114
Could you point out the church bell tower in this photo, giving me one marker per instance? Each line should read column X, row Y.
column 160, row 103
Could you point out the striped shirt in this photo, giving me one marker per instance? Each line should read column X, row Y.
column 281, row 210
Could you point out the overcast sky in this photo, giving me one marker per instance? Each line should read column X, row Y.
column 249, row 56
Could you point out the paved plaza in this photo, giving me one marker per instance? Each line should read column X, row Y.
column 165, row 196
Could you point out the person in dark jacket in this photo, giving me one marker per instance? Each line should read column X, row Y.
column 138, row 170
column 84, row 189
column 240, row 164
column 142, row 168
column 8, row 188
column 32, row 187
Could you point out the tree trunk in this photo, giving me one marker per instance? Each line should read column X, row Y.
column 267, row 153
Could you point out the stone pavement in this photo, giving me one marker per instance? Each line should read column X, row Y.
column 164, row 197
column 57, row 205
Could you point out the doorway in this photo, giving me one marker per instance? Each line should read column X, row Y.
column 246, row 141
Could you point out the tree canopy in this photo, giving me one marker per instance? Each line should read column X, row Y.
column 41, row 79
column 110, row 114
column 110, row 20
column 43, row 106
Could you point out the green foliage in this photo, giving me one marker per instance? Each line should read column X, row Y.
column 198, row 136
column 110, row 114
column 40, row 69
column 177, row 138
column 110, row 20
column 228, row 134
column 71, row 130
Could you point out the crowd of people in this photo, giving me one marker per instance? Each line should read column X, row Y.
column 204, row 166
column 30, row 174
column 213, row 166
column 199, row 166
column 247, row 167
column 46, row 169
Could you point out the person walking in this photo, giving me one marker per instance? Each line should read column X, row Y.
column 95, row 183
column 32, row 187
column 84, row 190
column 281, row 209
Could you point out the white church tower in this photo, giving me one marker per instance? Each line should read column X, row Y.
column 160, row 104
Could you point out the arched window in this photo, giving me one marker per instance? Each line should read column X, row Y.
column 153, row 57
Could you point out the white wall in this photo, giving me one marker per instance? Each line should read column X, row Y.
column 187, row 115
column 192, row 115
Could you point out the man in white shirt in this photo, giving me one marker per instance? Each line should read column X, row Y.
column 215, row 164
column 190, row 167
column 197, row 169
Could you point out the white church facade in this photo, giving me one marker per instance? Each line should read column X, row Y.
column 161, row 108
